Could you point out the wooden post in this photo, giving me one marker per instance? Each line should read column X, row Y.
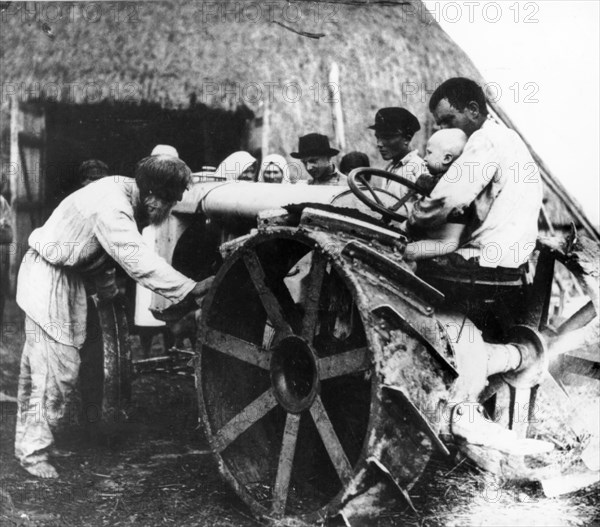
column 15, row 168
column 266, row 127
column 335, row 99
column 557, row 188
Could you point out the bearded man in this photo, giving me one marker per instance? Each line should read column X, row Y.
column 86, row 234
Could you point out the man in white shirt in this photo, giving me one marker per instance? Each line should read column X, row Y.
column 497, row 177
column 89, row 231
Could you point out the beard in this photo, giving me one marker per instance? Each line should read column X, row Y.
column 157, row 211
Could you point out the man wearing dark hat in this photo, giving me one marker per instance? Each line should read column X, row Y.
column 394, row 129
column 316, row 154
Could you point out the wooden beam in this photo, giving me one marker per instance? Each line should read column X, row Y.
column 266, row 128
column 334, row 93
column 15, row 127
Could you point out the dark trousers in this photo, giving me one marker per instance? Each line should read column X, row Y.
column 493, row 298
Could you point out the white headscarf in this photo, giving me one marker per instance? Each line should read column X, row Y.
column 165, row 150
column 278, row 161
column 232, row 166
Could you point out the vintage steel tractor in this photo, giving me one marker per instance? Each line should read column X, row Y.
column 328, row 373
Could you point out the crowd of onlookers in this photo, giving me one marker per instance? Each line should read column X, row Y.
column 242, row 166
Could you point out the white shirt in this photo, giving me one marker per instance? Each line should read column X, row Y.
column 498, row 175
column 411, row 166
column 95, row 220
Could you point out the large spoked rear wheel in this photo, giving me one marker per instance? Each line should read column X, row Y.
column 285, row 384
column 288, row 394
column 561, row 407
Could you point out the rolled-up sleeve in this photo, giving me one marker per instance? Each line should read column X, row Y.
column 117, row 232
column 459, row 186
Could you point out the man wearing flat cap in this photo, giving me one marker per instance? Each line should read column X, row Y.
column 316, row 156
column 394, row 129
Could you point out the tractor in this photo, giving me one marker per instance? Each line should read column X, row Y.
column 328, row 373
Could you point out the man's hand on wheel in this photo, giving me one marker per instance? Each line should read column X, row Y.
column 191, row 302
column 187, row 326
column 201, row 288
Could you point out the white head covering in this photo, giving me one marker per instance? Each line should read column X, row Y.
column 164, row 150
column 232, row 166
column 278, row 161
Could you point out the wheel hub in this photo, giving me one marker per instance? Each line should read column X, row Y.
column 294, row 374
column 534, row 358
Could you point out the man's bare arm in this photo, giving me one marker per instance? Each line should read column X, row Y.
column 443, row 240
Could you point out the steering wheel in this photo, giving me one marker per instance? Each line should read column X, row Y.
column 356, row 176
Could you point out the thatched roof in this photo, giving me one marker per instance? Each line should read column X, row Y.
column 233, row 53
column 228, row 54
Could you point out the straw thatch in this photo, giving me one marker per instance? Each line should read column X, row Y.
column 233, row 53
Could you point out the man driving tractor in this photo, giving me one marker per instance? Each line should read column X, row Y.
column 498, row 179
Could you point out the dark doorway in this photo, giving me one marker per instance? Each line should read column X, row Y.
column 122, row 134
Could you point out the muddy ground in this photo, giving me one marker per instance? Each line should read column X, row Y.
column 156, row 472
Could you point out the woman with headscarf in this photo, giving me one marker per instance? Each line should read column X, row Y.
column 239, row 166
column 274, row 169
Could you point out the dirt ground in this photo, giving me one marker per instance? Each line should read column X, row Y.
column 156, row 472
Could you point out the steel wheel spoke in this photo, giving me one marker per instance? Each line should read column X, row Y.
column 574, row 364
column 255, row 411
column 344, row 363
column 237, row 348
column 580, row 319
column 541, row 289
column 578, row 339
column 331, row 441
column 575, row 333
column 313, row 294
column 522, row 402
column 286, row 462
column 267, row 298
column 494, row 384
